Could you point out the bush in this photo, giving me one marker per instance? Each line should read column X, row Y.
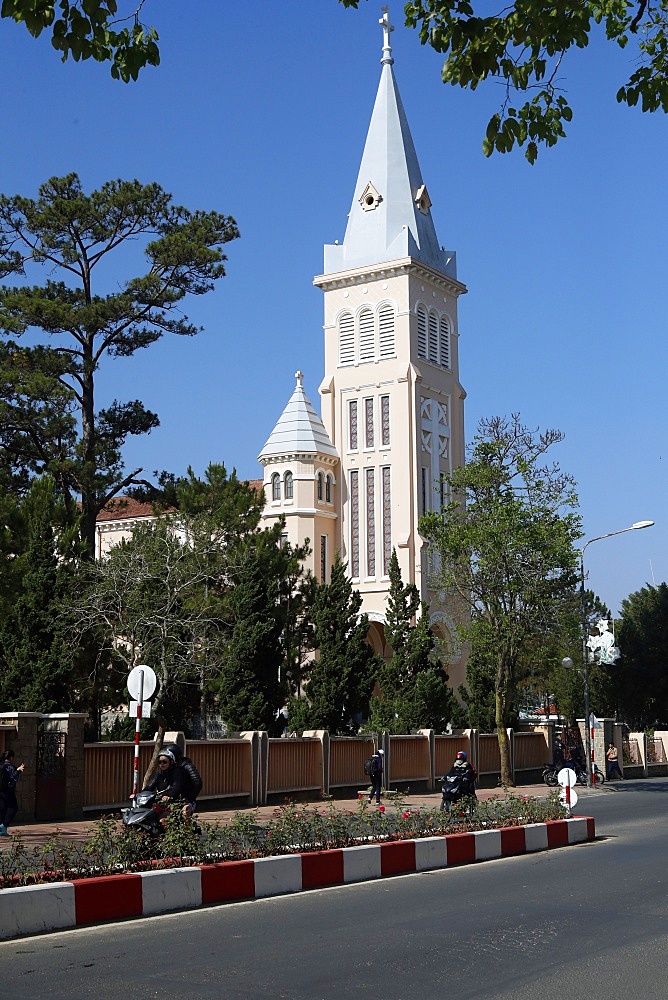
column 112, row 849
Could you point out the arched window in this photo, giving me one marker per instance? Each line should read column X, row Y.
column 346, row 339
column 275, row 487
column 444, row 343
column 386, row 332
column 287, row 486
column 422, row 331
column 321, row 486
column 328, row 489
column 433, row 338
column 367, row 336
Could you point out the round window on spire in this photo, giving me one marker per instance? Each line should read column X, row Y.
column 370, row 198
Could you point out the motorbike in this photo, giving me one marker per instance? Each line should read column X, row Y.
column 551, row 771
column 143, row 815
column 454, row 788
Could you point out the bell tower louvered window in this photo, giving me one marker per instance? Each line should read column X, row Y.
column 444, row 343
column 386, row 332
column 367, row 336
column 346, row 339
column 422, row 332
column 433, row 338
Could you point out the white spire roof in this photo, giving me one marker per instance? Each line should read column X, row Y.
column 390, row 217
column 299, row 429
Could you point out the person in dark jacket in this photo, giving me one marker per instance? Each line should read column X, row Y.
column 466, row 771
column 9, row 775
column 167, row 782
column 191, row 778
column 377, row 775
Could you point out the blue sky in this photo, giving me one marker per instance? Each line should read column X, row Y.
column 260, row 111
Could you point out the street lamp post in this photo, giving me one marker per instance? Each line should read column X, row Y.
column 585, row 636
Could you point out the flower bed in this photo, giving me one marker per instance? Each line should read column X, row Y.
column 294, row 829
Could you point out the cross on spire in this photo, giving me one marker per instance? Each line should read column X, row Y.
column 387, row 27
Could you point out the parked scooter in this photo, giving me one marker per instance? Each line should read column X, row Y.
column 454, row 788
column 143, row 815
column 551, row 771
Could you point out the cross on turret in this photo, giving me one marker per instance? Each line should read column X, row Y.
column 387, row 27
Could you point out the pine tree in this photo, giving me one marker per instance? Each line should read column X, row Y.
column 37, row 662
column 343, row 674
column 89, row 313
column 412, row 690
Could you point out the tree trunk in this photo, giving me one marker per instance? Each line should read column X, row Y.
column 501, row 700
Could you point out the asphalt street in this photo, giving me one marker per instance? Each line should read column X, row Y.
column 588, row 921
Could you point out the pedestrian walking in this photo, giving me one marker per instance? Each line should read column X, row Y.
column 376, row 775
column 9, row 775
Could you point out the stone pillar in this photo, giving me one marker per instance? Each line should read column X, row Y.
column 24, row 745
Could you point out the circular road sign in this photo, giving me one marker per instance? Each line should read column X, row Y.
column 573, row 797
column 566, row 777
column 150, row 681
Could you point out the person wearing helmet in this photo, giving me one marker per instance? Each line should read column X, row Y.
column 192, row 781
column 463, row 769
column 167, row 782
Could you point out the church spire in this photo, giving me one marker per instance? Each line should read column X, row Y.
column 390, row 217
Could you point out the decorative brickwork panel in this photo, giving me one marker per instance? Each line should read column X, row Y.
column 354, row 524
column 370, row 522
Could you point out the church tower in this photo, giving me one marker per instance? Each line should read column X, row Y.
column 392, row 403
column 358, row 480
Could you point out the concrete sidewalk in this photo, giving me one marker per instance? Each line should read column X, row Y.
column 35, row 834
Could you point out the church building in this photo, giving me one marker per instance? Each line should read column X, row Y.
column 357, row 478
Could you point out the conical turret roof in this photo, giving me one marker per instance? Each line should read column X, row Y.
column 299, row 429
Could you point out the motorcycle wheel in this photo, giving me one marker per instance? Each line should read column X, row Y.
column 599, row 776
column 550, row 778
column 582, row 778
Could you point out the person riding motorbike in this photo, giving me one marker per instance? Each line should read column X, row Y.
column 465, row 771
column 459, row 782
column 168, row 783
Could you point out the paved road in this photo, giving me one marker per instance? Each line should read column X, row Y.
column 585, row 922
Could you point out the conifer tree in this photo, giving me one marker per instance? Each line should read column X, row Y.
column 412, row 687
column 89, row 312
column 342, row 676
column 37, row 663
column 265, row 599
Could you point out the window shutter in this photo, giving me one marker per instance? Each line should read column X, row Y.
column 422, row 332
column 433, row 338
column 367, row 336
column 445, row 343
column 346, row 339
column 386, row 331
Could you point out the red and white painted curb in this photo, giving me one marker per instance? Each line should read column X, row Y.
column 39, row 908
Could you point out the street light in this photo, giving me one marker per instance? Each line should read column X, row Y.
column 585, row 636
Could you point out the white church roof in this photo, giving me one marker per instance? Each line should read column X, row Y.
column 390, row 217
column 299, row 429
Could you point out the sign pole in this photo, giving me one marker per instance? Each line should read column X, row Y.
column 140, row 700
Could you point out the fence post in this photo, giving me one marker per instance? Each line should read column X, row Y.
column 323, row 736
column 641, row 740
column 253, row 738
column 431, row 737
column 472, row 737
column 511, row 750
